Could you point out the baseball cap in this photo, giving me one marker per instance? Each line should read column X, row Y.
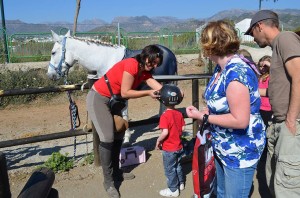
column 260, row 16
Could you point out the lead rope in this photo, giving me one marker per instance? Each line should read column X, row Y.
column 74, row 116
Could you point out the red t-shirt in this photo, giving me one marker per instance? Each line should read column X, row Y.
column 173, row 121
column 265, row 102
column 115, row 75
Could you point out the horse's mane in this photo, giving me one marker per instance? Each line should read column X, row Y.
column 98, row 42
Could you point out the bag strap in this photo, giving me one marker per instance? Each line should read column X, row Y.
column 204, row 122
column 250, row 63
column 108, row 85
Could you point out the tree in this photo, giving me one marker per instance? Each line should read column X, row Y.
column 261, row 1
column 76, row 16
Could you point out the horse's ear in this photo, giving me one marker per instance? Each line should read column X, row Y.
column 55, row 36
column 68, row 34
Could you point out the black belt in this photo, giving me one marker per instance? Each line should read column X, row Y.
column 277, row 121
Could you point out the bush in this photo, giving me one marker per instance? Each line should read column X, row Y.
column 88, row 159
column 32, row 79
column 59, row 162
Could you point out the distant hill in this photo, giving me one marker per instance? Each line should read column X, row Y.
column 17, row 26
column 289, row 18
column 144, row 23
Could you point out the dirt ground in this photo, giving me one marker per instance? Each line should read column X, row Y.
column 43, row 117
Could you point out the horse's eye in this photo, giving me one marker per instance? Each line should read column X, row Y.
column 52, row 53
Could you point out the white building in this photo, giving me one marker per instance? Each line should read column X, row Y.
column 241, row 28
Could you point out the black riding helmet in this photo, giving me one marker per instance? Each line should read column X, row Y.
column 170, row 94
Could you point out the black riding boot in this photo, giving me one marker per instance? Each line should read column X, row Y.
column 105, row 151
column 118, row 173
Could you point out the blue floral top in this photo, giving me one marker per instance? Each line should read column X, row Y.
column 236, row 148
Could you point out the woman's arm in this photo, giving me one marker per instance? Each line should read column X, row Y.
column 154, row 84
column 128, row 92
column 238, row 98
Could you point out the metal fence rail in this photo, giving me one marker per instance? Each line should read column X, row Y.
column 71, row 133
column 36, row 46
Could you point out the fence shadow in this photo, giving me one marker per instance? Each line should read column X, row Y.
column 16, row 156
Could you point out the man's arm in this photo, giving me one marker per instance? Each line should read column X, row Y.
column 293, row 69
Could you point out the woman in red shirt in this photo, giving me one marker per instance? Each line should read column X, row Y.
column 264, row 64
column 124, row 77
column 265, row 107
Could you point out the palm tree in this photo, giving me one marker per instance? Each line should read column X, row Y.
column 76, row 17
column 261, row 1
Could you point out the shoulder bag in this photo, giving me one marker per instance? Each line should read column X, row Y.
column 116, row 102
column 203, row 165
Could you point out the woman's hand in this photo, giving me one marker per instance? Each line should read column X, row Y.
column 266, row 63
column 154, row 94
column 193, row 112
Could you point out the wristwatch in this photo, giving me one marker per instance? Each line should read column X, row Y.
column 205, row 118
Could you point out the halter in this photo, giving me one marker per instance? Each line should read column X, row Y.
column 58, row 69
column 73, row 107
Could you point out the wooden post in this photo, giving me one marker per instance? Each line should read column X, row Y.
column 4, row 182
column 96, row 139
column 4, row 31
column 195, row 102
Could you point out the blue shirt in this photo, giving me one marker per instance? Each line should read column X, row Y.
column 236, row 148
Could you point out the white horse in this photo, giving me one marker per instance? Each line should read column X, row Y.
column 91, row 55
column 97, row 56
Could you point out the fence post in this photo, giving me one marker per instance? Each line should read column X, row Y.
column 96, row 139
column 4, row 31
column 195, row 102
column 4, row 182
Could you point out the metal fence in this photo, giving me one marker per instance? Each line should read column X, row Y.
column 33, row 47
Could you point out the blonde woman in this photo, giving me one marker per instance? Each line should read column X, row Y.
column 233, row 103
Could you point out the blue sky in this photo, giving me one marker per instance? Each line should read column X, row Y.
column 39, row 11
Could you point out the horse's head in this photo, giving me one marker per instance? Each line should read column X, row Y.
column 61, row 59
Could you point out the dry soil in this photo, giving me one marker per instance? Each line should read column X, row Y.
column 43, row 117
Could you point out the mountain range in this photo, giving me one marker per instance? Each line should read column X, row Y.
column 289, row 20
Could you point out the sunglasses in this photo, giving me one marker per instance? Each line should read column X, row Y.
column 251, row 33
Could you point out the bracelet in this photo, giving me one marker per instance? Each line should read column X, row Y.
column 205, row 118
